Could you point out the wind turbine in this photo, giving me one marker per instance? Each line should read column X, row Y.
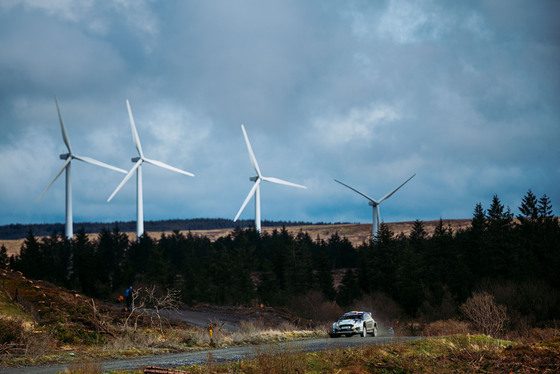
column 138, row 168
column 375, row 204
column 255, row 190
column 67, row 166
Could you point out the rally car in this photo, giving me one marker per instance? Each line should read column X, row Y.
column 355, row 322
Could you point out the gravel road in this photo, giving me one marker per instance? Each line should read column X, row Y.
column 220, row 355
column 230, row 321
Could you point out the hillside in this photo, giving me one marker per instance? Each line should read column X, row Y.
column 356, row 233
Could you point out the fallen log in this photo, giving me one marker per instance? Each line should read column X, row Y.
column 159, row 370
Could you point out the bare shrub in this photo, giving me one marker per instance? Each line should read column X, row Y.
column 152, row 302
column 486, row 315
column 314, row 306
column 37, row 345
column 447, row 327
column 11, row 330
column 15, row 332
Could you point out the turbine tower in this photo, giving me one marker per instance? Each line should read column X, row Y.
column 67, row 166
column 255, row 190
column 138, row 168
column 375, row 204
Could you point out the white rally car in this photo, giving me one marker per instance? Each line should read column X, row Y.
column 355, row 322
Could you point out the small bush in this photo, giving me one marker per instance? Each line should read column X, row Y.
column 447, row 327
column 486, row 315
column 11, row 330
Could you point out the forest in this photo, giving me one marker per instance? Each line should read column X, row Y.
column 516, row 258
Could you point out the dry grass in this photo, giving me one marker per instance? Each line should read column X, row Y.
column 448, row 327
column 84, row 367
column 452, row 354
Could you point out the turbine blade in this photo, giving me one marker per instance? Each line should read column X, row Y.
column 395, row 190
column 249, row 196
column 135, row 136
column 68, row 160
column 169, row 167
column 251, row 154
column 90, row 160
column 280, row 181
column 355, row 190
column 64, row 133
column 126, row 178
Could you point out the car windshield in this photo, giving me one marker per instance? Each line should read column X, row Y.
column 352, row 316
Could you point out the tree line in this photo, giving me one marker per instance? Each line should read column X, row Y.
column 422, row 273
column 19, row 231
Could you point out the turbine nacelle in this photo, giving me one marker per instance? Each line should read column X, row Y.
column 64, row 156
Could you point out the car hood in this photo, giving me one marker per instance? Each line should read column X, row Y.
column 348, row 321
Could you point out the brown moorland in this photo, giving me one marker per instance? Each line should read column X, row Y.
column 356, row 233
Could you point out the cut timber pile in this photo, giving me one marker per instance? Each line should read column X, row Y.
column 158, row 370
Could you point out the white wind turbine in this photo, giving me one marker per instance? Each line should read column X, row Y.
column 138, row 168
column 255, row 190
column 67, row 166
column 375, row 204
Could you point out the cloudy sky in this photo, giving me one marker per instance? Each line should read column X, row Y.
column 464, row 94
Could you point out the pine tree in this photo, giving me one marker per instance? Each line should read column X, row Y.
column 267, row 289
column 549, row 243
column 529, row 233
column 85, row 271
column 3, row 257
column 349, row 290
column 324, row 275
column 418, row 237
column 30, row 260
column 528, row 208
column 501, row 251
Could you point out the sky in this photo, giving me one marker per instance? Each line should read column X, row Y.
column 466, row 95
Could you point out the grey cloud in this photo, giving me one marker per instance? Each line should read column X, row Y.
column 463, row 94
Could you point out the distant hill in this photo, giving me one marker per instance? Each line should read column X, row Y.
column 356, row 233
column 20, row 231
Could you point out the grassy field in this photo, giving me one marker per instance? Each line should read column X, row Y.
column 356, row 233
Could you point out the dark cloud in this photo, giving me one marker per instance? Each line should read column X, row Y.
column 465, row 95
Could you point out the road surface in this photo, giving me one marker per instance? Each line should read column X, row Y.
column 220, row 355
